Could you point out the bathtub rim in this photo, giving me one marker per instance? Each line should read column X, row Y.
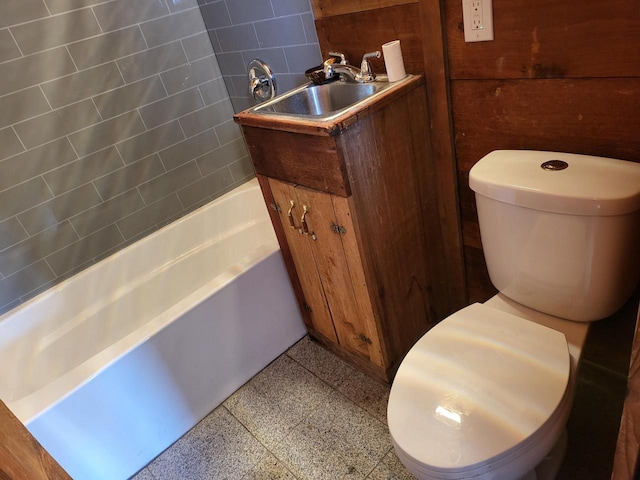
column 10, row 317
column 44, row 398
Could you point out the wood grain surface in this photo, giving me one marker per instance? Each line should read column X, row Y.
column 21, row 456
column 331, row 8
column 550, row 39
column 365, row 31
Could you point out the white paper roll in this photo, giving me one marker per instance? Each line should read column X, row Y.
column 393, row 60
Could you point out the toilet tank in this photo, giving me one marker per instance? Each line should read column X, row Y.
column 560, row 232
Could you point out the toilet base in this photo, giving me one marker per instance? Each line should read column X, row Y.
column 549, row 467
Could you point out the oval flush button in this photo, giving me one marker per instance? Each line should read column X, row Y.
column 554, row 165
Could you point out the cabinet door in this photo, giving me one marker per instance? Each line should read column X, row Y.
column 341, row 277
column 368, row 322
column 329, row 267
column 284, row 195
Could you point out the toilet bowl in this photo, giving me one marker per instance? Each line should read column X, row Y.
column 487, row 392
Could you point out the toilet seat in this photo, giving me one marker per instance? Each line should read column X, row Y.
column 481, row 390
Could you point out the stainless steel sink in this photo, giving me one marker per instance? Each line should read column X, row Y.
column 323, row 102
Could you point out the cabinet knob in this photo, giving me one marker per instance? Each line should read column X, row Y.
column 303, row 222
column 304, row 227
column 292, row 222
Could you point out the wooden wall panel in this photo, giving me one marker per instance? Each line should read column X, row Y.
column 330, row 8
column 357, row 33
column 479, row 286
column 589, row 116
column 549, row 39
column 597, row 116
column 442, row 149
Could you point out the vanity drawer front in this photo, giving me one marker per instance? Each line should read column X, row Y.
column 309, row 160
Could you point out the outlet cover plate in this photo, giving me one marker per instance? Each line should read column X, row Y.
column 478, row 20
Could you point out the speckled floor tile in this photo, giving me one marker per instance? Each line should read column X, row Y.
column 367, row 393
column 312, row 455
column 390, row 468
column 277, row 399
column 218, row 447
column 269, row 468
column 321, row 362
column 338, row 440
column 143, row 474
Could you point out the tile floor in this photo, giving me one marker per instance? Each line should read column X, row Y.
column 309, row 415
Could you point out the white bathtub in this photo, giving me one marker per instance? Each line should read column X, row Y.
column 110, row 367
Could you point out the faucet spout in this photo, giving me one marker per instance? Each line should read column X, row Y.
column 347, row 72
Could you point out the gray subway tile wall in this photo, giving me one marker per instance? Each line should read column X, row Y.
column 114, row 121
column 59, row 208
column 10, row 143
column 13, row 12
column 11, row 232
column 171, row 108
column 84, row 170
column 37, row 246
column 279, row 32
column 22, row 105
column 131, row 96
column 123, row 13
column 45, row 128
column 34, row 69
column 100, row 49
column 154, row 60
column 54, row 31
column 31, row 163
column 8, row 48
column 172, row 27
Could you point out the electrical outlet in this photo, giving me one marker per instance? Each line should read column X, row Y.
column 476, row 15
column 478, row 20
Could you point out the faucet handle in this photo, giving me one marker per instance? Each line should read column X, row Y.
column 366, row 73
column 343, row 59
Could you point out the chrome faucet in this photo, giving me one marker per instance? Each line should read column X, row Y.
column 348, row 72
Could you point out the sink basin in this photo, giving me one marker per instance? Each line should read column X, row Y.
column 323, row 102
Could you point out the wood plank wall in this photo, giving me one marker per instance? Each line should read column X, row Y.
column 354, row 27
column 561, row 75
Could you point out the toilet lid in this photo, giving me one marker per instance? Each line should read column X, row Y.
column 476, row 386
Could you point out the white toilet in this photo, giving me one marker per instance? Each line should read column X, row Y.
column 486, row 393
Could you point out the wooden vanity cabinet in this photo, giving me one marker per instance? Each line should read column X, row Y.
column 353, row 206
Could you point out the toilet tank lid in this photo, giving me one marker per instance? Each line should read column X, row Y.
column 573, row 184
